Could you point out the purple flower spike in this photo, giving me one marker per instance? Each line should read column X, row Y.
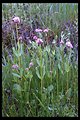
column 68, row 44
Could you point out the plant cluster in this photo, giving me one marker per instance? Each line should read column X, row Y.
column 40, row 78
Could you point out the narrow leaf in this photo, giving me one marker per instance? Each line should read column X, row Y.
column 16, row 75
column 37, row 73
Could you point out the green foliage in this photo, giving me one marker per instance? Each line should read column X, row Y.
column 49, row 88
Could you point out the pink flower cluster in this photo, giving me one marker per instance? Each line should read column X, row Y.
column 46, row 30
column 30, row 65
column 40, row 30
column 15, row 66
column 35, row 37
column 68, row 44
column 16, row 20
column 27, row 69
column 39, row 41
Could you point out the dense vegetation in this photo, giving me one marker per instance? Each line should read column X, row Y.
column 40, row 60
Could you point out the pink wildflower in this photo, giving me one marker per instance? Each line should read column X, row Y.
column 15, row 66
column 61, row 42
column 31, row 64
column 20, row 38
column 39, row 41
column 38, row 30
column 35, row 38
column 46, row 30
column 68, row 44
column 16, row 20
column 27, row 69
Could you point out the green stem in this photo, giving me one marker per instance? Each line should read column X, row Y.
column 67, row 85
column 67, row 82
column 29, row 87
column 41, row 103
column 62, row 67
column 62, row 86
column 18, row 44
column 41, row 81
column 57, row 83
column 51, row 98
column 74, row 85
column 21, row 105
column 17, row 32
column 41, row 67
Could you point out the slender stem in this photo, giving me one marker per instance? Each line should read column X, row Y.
column 74, row 86
column 67, row 82
column 21, row 105
column 41, row 67
column 29, row 87
column 17, row 31
column 57, row 83
column 18, row 43
column 51, row 98
column 67, row 86
column 62, row 86
column 50, row 69
column 62, row 67
column 41, row 80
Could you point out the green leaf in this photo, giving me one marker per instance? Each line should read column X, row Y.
column 21, row 71
column 17, row 88
column 59, row 66
column 54, row 73
column 50, row 88
column 62, row 71
column 20, row 50
column 38, row 62
column 68, row 93
column 43, row 71
column 53, row 52
column 29, row 75
column 37, row 73
column 15, row 52
column 50, row 108
column 40, row 35
column 43, row 62
column 67, row 67
column 48, row 49
column 16, row 75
